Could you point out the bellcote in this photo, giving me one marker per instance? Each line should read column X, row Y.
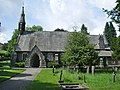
column 22, row 22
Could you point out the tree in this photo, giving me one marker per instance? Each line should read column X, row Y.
column 107, row 32
column 5, row 46
column 12, row 43
column 34, row 28
column 116, row 52
column 110, row 34
column 114, row 14
column 78, row 51
column 84, row 29
column 113, row 36
column 113, row 31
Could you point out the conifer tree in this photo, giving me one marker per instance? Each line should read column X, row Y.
column 110, row 34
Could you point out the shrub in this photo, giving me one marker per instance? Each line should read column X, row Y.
column 20, row 64
column 51, row 63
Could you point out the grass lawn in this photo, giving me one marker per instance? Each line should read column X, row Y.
column 45, row 81
column 8, row 73
column 100, row 81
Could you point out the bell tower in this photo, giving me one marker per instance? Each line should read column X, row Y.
column 21, row 25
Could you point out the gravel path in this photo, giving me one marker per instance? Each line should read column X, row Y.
column 20, row 81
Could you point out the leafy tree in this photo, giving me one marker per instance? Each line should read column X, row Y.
column 78, row 51
column 34, row 28
column 5, row 46
column 60, row 30
column 12, row 43
column 84, row 29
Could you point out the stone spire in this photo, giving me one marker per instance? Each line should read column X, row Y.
column 21, row 26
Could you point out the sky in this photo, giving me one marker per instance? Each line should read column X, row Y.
column 52, row 14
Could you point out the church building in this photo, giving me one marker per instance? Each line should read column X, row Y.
column 36, row 48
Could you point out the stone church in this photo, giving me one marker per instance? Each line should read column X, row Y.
column 38, row 47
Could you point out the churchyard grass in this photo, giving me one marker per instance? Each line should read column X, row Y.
column 99, row 81
column 45, row 81
column 103, row 81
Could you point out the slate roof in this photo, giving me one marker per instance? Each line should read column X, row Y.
column 49, row 41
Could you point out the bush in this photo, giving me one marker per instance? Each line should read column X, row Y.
column 51, row 63
column 20, row 64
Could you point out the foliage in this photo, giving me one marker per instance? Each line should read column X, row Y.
column 12, row 43
column 114, row 14
column 116, row 53
column 51, row 63
column 5, row 46
column 78, row 51
column 20, row 64
column 110, row 34
column 34, row 28
column 3, row 52
column 84, row 29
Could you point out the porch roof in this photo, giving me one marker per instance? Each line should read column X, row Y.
column 105, row 53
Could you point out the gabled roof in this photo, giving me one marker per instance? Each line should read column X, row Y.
column 49, row 41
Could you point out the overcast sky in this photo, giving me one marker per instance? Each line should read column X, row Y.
column 52, row 14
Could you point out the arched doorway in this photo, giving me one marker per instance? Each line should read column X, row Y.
column 35, row 61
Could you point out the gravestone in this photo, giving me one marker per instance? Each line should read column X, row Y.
column 61, row 81
column 88, row 69
column 113, row 76
column 93, row 70
column 53, row 70
column 101, row 62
